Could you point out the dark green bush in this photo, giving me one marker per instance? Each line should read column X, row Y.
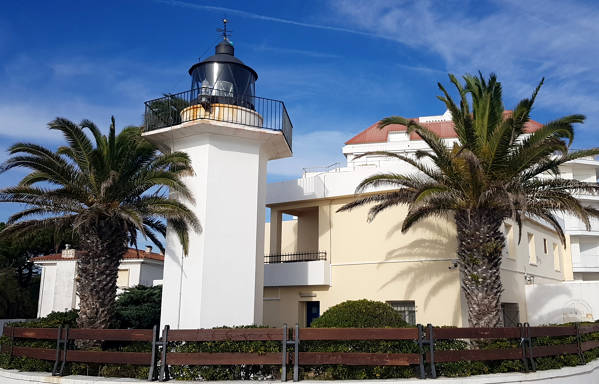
column 55, row 319
column 360, row 314
column 227, row 372
column 138, row 307
column 52, row 320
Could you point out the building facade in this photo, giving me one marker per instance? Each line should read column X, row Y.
column 58, row 287
column 324, row 257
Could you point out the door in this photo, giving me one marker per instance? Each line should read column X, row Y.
column 511, row 314
column 312, row 311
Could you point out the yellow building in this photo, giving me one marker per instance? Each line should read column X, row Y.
column 323, row 257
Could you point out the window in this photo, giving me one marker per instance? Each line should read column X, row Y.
column 511, row 314
column 406, row 308
column 532, row 255
column 122, row 280
column 509, row 249
column 545, row 246
column 556, row 258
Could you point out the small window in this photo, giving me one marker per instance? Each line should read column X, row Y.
column 509, row 249
column 556, row 258
column 406, row 308
column 122, row 280
column 532, row 255
column 545, row 246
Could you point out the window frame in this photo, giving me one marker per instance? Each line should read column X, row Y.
column 406, row 308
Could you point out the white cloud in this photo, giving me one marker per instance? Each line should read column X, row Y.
column 300, row 52
column 28, row 121
column 520, row 40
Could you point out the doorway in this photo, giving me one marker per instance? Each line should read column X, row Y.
column 312, row 311
column 511, row 314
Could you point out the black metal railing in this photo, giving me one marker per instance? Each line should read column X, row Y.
column 269, row 113
column 294, row 257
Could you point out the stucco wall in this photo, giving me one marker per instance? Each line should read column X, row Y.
column 561, row 303
column 150, row 272
column 46, row 295
column 58, row 288
column 231, row 246
column 378, row 262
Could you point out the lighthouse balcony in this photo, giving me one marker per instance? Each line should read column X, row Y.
column 217, row 105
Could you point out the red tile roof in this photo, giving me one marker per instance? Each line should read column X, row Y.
column 444, row 129
column 131, row 254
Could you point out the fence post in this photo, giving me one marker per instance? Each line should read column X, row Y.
column 60, row 342
column 296, row 342
column 153, row 374
column 579, row 344
column 65, row 344
column 284, row 348
column 431, row 347
column 523, row 346
column 57, row 351
column 421, row 350
column 12, row 343
column 164, row 372
column 533, row 365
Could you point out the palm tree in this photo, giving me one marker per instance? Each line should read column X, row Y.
column 107, row 189
column 496, row 170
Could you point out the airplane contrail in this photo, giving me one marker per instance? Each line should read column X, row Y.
column 257, row 16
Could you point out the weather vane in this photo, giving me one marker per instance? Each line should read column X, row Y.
column 226, row 33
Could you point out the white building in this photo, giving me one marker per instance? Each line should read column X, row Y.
column 360, row 260
column 58, row 288
column 584, row 243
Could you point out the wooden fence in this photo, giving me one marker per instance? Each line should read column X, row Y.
column 425, row 338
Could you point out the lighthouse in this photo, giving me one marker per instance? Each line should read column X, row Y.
column 230, row 134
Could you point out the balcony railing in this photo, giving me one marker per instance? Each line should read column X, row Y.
column 218, row 105
column 294, row 257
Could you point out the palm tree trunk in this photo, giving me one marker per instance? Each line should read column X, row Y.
column 97, row 271
column 480, row 246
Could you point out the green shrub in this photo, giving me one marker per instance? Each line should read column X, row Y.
column 360, row 314
column 138, row 307
column 52, row 320
column 55, row 319
column 227, row 372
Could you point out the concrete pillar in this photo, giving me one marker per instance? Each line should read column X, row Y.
column 276, row 226
column 221, row 281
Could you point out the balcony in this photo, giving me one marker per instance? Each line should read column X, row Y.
column 294, row 257
column 297, row 269
column 575, row 226
column 217, row 105
column 585, row 262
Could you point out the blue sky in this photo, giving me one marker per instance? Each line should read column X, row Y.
column 338, row 65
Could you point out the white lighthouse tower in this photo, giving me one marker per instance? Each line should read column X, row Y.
column 230, row 134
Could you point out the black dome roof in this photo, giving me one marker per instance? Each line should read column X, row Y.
column 224, row 53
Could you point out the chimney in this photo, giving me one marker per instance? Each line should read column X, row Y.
column 67, row 252
column 148, row 248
